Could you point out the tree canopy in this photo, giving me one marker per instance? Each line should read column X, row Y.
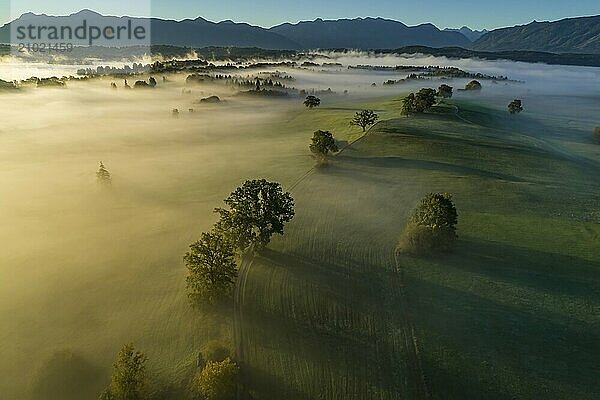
column 445, row 91
column 257, row 210
column 364, row 119
column 128, row 377
column 322, row 143
column 420, row 102
column 217, row 380
column 436, row 210
column 432, row 226
column 473, row 85
column 312, row 101
column 515, row 106
column 424, row 100
column 211, row 267
column 408, row 105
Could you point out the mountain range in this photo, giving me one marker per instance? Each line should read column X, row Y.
column 366, row 33
column 573, row 35
column 358, row 33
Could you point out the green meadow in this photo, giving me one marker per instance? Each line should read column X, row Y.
column 513, row 312
column 327, row 311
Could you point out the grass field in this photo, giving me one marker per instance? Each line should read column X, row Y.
column 512, row 313
column 323, row 313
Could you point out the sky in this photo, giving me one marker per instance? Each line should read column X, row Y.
column 476, row 14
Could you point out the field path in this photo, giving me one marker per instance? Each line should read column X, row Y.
column 238, row 333
column 403, row 336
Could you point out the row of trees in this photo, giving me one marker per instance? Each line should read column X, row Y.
column 425, row 99
column 215, row 380
column 255, row 212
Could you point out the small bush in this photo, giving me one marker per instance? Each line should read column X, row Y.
column 217, row 381
column 211, row 99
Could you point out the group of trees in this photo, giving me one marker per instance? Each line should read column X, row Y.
column 418, row 103
column 432, row 227
column 424, row 99
column 216, row 378
column 256, row 211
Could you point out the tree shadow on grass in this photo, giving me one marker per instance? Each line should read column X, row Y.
column 481, row 341
column 321, row 336
column 552, row 272
column 404, row 163
column 67, row 375
column 259, row 384
column 476, row 141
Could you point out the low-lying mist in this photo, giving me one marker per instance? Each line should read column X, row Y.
column 87, row 268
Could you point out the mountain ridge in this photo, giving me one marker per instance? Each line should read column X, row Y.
column 359, row 33
column 579, row 35
column 367, row 33
column 568, row 35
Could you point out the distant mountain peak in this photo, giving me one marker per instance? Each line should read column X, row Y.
column 87, row 11
column 472, row 35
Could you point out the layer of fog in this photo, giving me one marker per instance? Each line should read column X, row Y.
column 88, row 269
column 19, row 68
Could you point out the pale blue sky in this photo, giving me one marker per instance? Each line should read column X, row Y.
column 443, row 13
